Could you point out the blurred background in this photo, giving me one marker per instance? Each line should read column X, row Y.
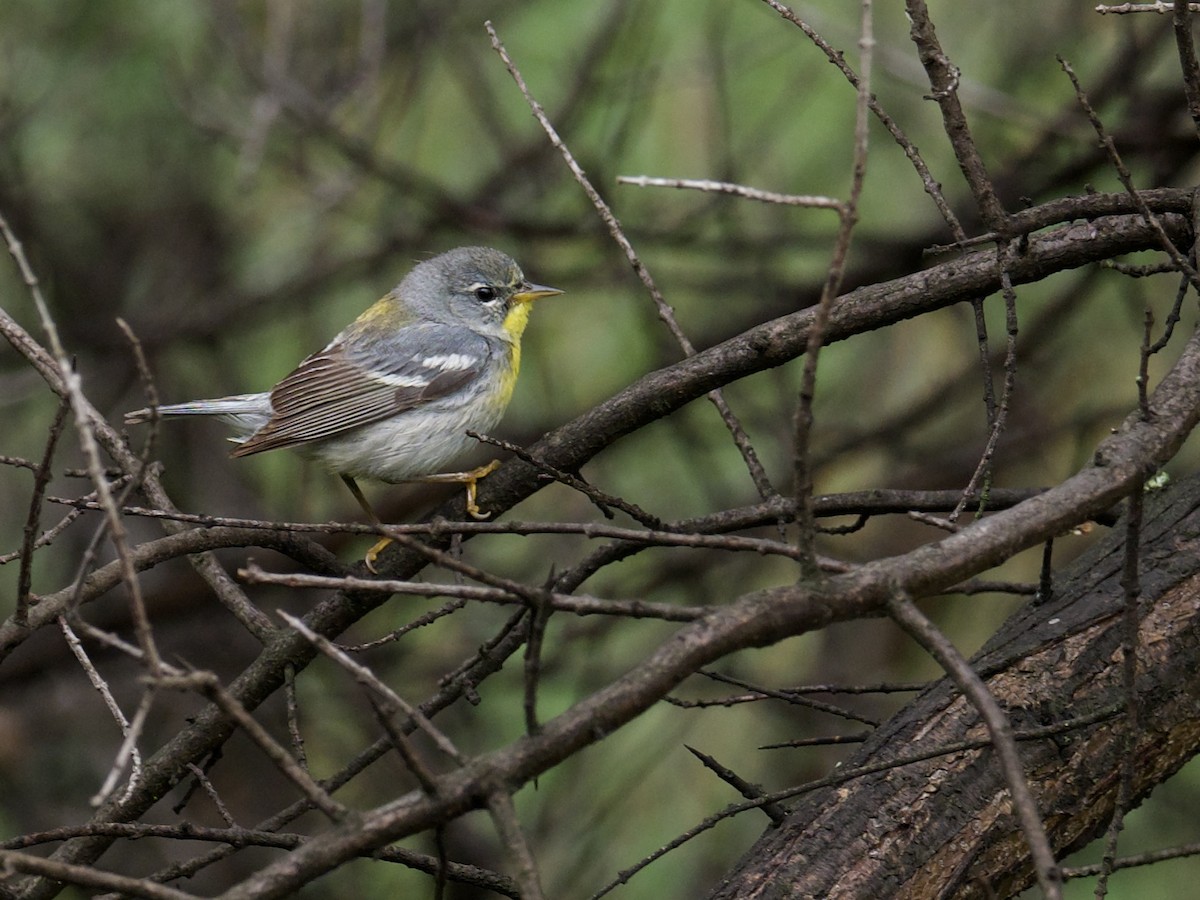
column 238, row 180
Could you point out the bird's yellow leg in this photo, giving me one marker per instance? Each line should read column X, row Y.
column 471, row 480
column 377, row 548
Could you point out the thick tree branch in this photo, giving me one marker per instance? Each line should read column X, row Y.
column 895, row 834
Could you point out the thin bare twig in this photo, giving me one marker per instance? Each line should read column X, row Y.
column 985, row 362
column 151, row 391
column 368, row 679
column 46, row 537
column 210, row 789
column 1126, row 179
column 1129, row 862
column 535, row 636
column 738, row 190
column 578, row 604
column 131, row 732
column 1162, row 7
column 604, row 502
column 293, row 717
column 1000, row 730
column 757, row 473
column 88, row 876
column 1131, row 586
column 997, row 412
column 504, row 816
column 827, row 741
column 421, row 621
column 803, row 486
column 30, row 542
column 875, row 502
column 236, row 837
column 790, row 697
column 209, row 685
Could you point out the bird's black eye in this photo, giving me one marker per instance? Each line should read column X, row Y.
column 484, row 293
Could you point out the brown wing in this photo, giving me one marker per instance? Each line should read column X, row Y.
column 333, row 391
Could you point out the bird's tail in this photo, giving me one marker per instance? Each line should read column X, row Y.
column 246, row 413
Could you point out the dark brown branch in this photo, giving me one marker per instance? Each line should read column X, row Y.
column 943, row 79
column 1188, row 64
column 1065, row 651
column 235, row 837
column 88, row 876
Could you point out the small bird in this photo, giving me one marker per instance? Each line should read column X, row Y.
column 393, row 395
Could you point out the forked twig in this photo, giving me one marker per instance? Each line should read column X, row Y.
column 1126, row 179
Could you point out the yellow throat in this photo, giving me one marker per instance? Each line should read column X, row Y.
column 514, row 326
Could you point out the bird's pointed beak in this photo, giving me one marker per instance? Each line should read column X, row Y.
column 530, row 292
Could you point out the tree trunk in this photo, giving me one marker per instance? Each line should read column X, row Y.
column 944, row 827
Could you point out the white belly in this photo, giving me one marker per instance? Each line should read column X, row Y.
column 402, row 448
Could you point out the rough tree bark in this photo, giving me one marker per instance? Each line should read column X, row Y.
column 944, row 827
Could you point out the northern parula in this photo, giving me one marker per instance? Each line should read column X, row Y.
column 393, row 395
